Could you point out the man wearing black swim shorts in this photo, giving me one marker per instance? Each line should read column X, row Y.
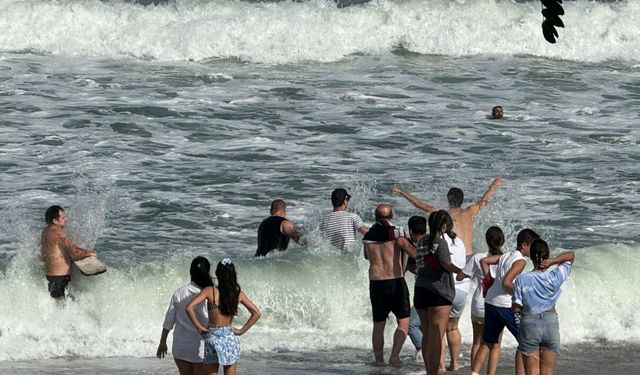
column 58, row 251
column 384, row 246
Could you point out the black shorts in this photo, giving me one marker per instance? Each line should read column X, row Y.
column 57, row 285
column 389, row 296
column 423, row 298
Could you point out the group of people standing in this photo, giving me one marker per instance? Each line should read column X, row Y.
column 439, row 251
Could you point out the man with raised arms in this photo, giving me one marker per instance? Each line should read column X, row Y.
column 58, row 251
column 384, row 245
column 275, row 231
column 340, row 226
column 462, row 217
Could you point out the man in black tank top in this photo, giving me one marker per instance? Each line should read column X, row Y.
column 275, row 231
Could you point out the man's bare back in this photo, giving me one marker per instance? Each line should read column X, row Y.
column 385, row 259
column 463, row 225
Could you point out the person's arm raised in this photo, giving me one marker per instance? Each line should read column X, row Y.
column 567, row 256
column 253, row 318
column 413, row 200
column 486, row 197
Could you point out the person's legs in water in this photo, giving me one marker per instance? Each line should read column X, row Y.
column 415, row 333
column 399, row 337
column 438, row 317
column 477, row 325
column 377, row 340
column 189, row 368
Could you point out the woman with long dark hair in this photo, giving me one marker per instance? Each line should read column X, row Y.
column 222, row 347
column 434, row 288
column 495, row 240
column 535, row 295
column 188, row 345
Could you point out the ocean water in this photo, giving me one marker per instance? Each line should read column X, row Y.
column 165, row 131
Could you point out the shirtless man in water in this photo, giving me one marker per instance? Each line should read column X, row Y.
column 384, row 246
column 462, row 217
column 58, row 251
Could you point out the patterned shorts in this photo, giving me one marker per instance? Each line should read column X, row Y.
column 221, row 346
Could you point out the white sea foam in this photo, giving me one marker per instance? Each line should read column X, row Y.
column 316, row 30
column 317, row 300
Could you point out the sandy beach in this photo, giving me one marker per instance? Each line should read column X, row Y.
column 600, row 358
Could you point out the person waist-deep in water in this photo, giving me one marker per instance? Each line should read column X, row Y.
column 58, row 251
column 275, row 231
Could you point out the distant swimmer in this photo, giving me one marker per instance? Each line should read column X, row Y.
column 340, row 226
column 462, row 217
column 384, row 245
column 497, row 112
column 58, row 251
column 275, row 231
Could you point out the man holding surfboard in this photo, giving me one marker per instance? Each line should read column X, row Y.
column 58, row 251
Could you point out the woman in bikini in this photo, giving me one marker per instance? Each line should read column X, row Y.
column 222, row 347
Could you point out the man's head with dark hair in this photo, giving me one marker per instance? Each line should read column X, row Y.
column 418, row 225
column 277, row 205
column 52, row 213
column 497, row 112
column 455, row 197
column 339, row 196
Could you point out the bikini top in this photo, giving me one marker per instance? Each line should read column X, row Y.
column 212, row 305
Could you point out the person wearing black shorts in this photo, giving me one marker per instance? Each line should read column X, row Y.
column 384, row 245
column 434, row 288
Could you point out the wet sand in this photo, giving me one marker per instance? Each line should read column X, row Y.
column 583, row 359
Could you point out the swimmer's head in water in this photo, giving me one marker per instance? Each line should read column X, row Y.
column 497, row 112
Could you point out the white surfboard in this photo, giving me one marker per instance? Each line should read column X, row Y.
column 90, row 266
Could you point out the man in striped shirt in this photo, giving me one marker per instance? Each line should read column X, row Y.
column 340, row 226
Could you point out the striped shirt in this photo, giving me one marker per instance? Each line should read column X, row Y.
column 340, row 228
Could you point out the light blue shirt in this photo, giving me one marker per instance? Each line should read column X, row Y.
column 538, row 291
